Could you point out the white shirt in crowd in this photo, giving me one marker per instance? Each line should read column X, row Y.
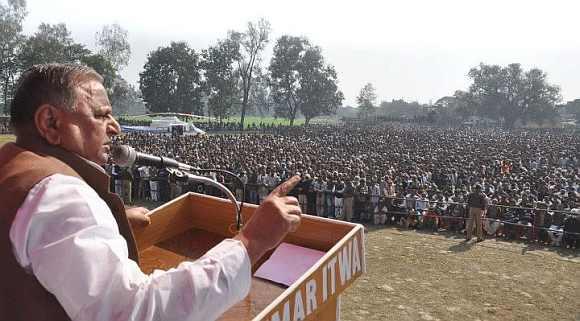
column 67, row 237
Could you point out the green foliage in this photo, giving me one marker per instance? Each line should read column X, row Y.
column 366, row 100
column 399, row 108
column 11, row 39
column 104, row 67
column 260, row 95
column 573, row 107
column 301, row 81
column 251, row 43
column 221, row 80
column 51, row 43
column 171, row 81
column 112, row 44
column 510, row 94
column 125, row 99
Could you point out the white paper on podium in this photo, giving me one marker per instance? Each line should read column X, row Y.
column 288, row 263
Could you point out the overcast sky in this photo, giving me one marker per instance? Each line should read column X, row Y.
column 411, row 49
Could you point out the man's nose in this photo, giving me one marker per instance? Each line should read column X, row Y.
column 113, row 128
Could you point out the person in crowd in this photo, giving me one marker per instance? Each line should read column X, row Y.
column 318, row 186
column 329, row 196
column 339, row 199
column 477, row 204
column 303, row 189
column 349, row 192
column 492, row 223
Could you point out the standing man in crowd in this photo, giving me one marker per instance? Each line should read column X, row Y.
column 477, row 204
column 348, row 200
column 319, row 190
column 66, row 242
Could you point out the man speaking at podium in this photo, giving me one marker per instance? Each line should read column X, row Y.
column 67, row 247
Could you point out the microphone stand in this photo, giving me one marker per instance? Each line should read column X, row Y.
column 183, row 176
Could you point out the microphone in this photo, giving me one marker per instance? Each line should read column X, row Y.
column 127, row 156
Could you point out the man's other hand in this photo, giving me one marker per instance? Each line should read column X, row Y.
column 137, row 216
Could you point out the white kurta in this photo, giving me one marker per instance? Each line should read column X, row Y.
column 66, row 235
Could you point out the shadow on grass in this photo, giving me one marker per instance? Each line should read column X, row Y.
column 461, row 247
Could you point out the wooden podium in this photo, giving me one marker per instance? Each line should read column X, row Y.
column 187, row 227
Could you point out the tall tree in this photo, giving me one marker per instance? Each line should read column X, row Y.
column 171, row 80
column 573, row 107
column 112, row 44
column 284, row 74
column 11, row 39
column 251, row 43
column 261, row 96
column 125, row 99
column 399, row 108
column 510, row 94
column 318, row 93
column 366, row 100
column 104, row 67
column 221, row 79
column 301, row 81
column 51, row 43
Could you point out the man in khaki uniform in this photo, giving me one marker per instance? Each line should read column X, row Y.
column 477, row 203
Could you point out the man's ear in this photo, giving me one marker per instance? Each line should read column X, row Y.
column 47, row 121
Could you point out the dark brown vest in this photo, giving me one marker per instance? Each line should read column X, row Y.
column 22, row 297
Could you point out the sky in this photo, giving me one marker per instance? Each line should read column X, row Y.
column 417, row 50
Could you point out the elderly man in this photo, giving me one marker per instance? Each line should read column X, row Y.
column 67, row 247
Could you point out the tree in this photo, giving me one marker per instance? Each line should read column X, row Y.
column 11, row 39
column 573, row 107
column 284, row 74
column 51, row 43
column 509, row 94
column 125, row 99
column 104, row 67
column 250, row 44
column 171, row 80
column 318, row 93
column 399, row 108
column 366, row 100
column 112, row 44
column 221, row 80
column 260, row 95
column 301, row 81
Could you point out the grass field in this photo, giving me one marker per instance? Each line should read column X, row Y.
column 6, row 138
column 416, row 276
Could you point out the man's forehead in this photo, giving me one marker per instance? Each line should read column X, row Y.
column 94, row 91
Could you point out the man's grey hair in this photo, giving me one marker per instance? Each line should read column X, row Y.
column 52, row 84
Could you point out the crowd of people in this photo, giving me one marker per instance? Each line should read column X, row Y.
column 405, row 174
column 5, row 126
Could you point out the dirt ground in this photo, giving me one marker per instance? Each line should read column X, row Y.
column 418, row 276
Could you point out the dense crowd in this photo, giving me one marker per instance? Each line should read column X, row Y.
column 415, row 176
column 214, row 127
column 5, row 126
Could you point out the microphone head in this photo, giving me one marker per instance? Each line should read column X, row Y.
column 123, row 155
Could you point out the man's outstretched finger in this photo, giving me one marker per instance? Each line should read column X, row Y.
column 285, row 188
